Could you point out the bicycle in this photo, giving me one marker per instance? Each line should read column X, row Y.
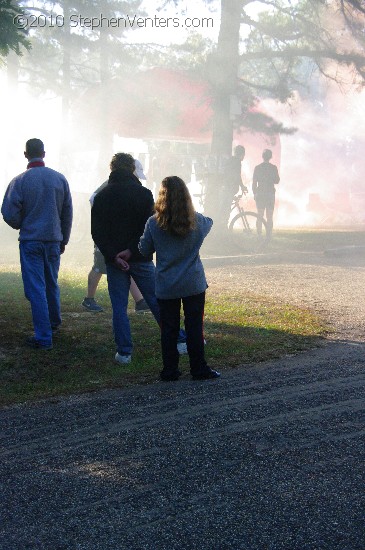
column 248, row 229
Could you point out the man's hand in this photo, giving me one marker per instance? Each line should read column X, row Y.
column 121, row 259
column 124, row 255
column 121, row 264
column 62, row 248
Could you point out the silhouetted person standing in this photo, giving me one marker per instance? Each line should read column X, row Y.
column 265, row 177
column 231, row 184
column 38, row 203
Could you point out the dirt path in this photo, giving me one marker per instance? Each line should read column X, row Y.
column 270, row 457
column 332, row 283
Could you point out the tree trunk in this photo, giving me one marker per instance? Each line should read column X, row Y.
column 223, row 72
column 224, row 75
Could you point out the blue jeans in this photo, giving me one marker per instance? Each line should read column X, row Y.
column 118, row 286
column 40, row 263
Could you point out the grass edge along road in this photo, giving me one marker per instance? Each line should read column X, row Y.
column 240, row 328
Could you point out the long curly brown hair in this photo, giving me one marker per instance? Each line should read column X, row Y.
column 174, row 208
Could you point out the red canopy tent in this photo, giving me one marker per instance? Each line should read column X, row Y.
column 162, row 104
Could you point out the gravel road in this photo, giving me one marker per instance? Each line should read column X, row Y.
column 269, row 457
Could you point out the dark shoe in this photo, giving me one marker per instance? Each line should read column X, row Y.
column 91, row 305
column 35, row 344
column 142, row 307
column 206, row 375
column 170, row 376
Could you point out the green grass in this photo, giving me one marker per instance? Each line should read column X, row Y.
column 239, row 329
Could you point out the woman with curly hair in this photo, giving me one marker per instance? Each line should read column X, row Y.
column 176, row 233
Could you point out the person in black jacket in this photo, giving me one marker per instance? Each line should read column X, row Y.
column 118, row 218
column 99, row 268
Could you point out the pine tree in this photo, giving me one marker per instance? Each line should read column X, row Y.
column 13, row 37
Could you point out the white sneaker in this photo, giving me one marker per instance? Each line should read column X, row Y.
column 182, row 348
column 123, row 358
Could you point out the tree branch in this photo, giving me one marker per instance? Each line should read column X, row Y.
column 348, row 58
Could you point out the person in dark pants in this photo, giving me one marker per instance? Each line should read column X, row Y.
column 38, row 203
column 265, row 177
column 176, row 233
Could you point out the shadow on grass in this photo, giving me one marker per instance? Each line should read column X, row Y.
column 82, row 358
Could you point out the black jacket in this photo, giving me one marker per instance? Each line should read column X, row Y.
column 119, row 215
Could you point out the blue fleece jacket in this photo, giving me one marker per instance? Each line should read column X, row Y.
column 38, row 203
column 179, row 270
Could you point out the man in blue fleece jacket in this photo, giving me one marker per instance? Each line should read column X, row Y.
column 38, row 203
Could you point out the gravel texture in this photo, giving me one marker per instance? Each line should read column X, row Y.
column 269, row 457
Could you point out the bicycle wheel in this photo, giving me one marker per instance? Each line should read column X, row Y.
column 248, row 231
